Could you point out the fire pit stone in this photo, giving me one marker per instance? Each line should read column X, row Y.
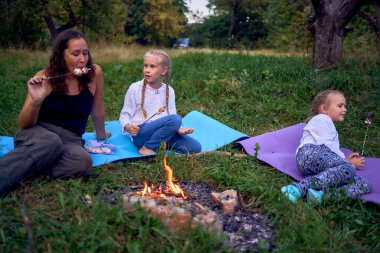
column 228, row 199
column 175, row 214
column 246, row 230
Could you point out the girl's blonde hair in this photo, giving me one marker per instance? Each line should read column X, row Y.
column 322, row 98
column 166, row 63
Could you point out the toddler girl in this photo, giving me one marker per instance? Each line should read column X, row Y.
column 319, row 157
column 149, row 111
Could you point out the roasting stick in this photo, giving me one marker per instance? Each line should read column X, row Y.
column 158, row 112
column 77, row 72
column 52, row 77
column 368, row 122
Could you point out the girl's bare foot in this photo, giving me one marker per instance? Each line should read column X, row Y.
column 146, row 151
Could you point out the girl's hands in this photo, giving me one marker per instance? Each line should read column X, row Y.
column 184, row 130
column 38, row 88
column 356, row 160
column 132, row 129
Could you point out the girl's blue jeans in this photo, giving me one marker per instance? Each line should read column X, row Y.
column 165, row 129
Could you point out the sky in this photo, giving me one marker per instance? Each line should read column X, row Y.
column 198, row 5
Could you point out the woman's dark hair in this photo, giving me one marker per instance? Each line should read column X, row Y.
column 57, row 64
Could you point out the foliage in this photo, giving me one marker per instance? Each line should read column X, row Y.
column 134, row 26
column 156, row 22
column 105, row 20
column 274, row 24
column 14, row 15
column 286, row 22
column 164, row 21
column 213, row 32
column 359, row 35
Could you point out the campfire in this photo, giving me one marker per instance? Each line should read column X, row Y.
column 172, row 187
column 183, row 206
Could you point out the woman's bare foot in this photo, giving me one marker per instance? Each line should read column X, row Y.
column 146, row 151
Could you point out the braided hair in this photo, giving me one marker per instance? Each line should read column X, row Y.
column 165, row 62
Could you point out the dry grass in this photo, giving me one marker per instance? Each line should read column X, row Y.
column 105, row 53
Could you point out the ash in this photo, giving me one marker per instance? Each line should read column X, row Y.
column 247, row 231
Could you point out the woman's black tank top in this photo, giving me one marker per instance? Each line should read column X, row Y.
column 67, row 111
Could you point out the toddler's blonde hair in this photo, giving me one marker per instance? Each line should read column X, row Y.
column 322, row 98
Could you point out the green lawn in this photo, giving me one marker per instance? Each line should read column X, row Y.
column 251, row 93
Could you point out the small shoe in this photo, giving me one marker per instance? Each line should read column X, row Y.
column 291, row 192
column 314, row 197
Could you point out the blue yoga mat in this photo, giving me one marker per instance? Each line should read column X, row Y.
column 6, row 145
column 211, row 133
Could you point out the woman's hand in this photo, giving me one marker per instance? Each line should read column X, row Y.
column 356, row 160
column 132, row 129
column 108, row 134
column 184, row 130
column 38, row 89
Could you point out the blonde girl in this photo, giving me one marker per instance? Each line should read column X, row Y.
column 319, row 157
column 149, row 113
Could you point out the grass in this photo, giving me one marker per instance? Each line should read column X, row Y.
column 253, row 93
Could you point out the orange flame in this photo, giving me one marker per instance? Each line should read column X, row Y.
column 170, row 185
column 145, row 190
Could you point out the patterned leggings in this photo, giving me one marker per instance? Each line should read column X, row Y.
column 324, row 168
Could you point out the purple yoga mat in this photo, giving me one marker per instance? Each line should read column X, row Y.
column 278, row 149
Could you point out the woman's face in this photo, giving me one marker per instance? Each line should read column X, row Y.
column 76, row 54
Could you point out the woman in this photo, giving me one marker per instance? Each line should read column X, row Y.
column 54, row 116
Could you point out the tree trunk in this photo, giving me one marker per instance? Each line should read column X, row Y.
column 50, row 23
column 327, row 22
column 235, row 9
column 328, row 41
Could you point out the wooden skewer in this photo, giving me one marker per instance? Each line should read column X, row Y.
column 71, row 73
column 52, row 77
column 160, row 110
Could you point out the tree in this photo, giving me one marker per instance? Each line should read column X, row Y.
column 47, row 16
column 373, row 22
column 101, row 16
column 286, row 21
column 135, row 27
column 19, row 26
column 229, row 7
column 164, row 22
column 155, row 22
column 29, row 22
column 327, row 22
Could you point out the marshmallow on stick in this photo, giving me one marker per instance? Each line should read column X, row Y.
column 77, row 72
column 81, row 71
